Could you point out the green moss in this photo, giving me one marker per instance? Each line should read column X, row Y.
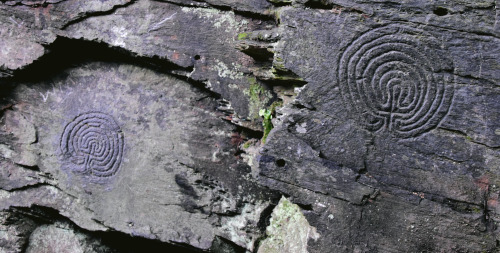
column 275, row 106
column 288, row 230
column 279, row 74
column 267, row 115
column 259, row 97
column 242, row 36
column 255, row 91
column 278, row 64
column 266, row 123
column 246, row 144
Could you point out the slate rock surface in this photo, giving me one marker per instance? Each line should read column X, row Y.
column 143, row 122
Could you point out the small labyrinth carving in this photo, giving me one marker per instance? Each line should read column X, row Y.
column 396, row 78
column 92, row 144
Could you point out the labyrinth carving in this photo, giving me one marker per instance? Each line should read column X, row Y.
column 92, row 144
column 395, row 78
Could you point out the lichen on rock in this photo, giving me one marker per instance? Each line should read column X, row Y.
column 288, row 231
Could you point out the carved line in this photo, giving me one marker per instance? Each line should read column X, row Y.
column 93, row 144
column 394, row 80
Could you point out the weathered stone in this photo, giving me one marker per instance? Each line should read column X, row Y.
column 60, row 237
column 288, row 230
column 401, row 108
column 28, row 25
column 252, row 7
column 106, row 129
column 141, row 121
column 14, row 231
column 201, row 41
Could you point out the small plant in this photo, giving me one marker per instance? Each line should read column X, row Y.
column 242, row 36
column 247, row 144
column 266, row 123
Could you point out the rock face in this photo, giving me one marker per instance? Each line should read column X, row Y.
column 138, row 125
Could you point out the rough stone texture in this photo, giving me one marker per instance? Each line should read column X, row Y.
column 199, row 41
column 260, row 7
column 138, row 122
column 28, row 25
column 125, row 146
column 60, row 237
column 288, row 230
column 14, row 231
column 398, row 123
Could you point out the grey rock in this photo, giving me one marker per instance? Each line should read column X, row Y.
column 29, row 25
column 200, row 41
column 14, row 231
column 432, row 157
column 128, row 145
column 60, row 237
column 140, row 119
column 252, row 7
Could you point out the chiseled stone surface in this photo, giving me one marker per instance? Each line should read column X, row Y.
column 399, row 120
column 201, row 42
column 141, row 121
column 121, row 145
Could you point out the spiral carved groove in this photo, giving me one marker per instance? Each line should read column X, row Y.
column 394, row 77
column 93, row 144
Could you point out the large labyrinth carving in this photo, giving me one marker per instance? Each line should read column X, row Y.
column 92, row 144
column 395, row 78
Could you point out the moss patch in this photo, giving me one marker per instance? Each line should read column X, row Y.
column 247, row 144
column 275, row 105
column 242, row 36
column 266, row 123
column 288, row 230
column 259, row 97
column 267, row 115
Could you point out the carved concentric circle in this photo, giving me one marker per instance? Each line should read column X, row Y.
column 93, row 144
column 395, row 78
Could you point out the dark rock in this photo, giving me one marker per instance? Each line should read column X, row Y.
column 139, row 122
column 405, row 112
column 15, row 230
